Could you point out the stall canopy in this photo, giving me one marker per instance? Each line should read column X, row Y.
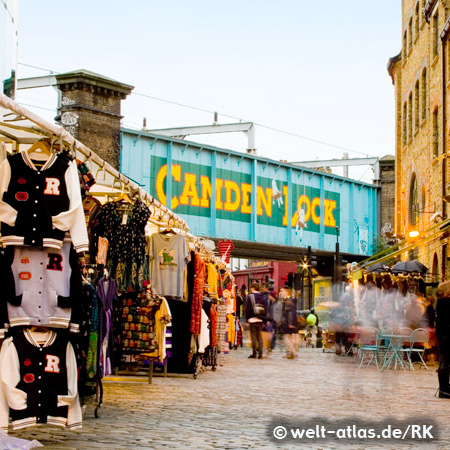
column 20, row 128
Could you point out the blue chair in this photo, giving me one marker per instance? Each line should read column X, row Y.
column 369, row 345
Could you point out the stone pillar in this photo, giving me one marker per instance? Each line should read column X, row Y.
column 89, row 109
column 387, row 182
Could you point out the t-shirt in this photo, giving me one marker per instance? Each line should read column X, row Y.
column 168, row 258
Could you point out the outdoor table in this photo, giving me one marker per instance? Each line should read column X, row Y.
column 395, row 344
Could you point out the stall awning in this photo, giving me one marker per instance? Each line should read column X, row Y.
column 20, row 127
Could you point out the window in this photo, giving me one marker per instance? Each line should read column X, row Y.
column 410, row 31
column 435, row 269
column 417, row 19
column 404, row 135
column 436, row 35
column 435, row 133
column 413, row 202
column 405, row 49
column 424, row 94
column 416, row 105
column 410, row 121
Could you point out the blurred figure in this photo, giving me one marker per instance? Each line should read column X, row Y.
column 313, row 325
column 275, row 317
column 255, row 315
column 443, row 337
column 414, row 311
column 341, row 318
column 290, row 327
column 429, row 317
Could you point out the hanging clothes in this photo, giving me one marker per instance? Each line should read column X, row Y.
column 163, row 318
column 197, row 296
column 107, row 293
column 168, row 256
column 38, row 205
column 38, row 381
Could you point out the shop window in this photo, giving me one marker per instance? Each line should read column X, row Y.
column 424, row 94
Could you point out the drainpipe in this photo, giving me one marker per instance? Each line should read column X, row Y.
column 444, row 132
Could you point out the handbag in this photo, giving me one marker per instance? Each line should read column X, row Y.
column 258, row 309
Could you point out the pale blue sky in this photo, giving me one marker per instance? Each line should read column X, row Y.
column 313, row 68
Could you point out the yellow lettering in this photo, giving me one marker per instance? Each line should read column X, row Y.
column 162, row 175
column 206, row 191
column 302, row 200
column 285, row 193
column 230, row 187
column 246, row 190
column 190, row 190
column 315, row 203
column 219, row 184
column 265, row 200
column 329, row 219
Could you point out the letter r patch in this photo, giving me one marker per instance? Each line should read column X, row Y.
column 52, row 187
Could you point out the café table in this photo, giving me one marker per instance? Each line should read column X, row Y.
column 393, row 350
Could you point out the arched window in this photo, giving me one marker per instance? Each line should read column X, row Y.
column 413, row 202
column 416, row 105
column 435, row 268
column 405, row 118
column 417, row 19
column 410, row 118
column 424, row 94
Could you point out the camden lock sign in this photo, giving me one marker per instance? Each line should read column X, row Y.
column 192, row 193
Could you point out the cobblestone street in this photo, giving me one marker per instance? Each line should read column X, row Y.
column 233, row 407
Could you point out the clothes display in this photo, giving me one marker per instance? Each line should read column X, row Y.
column 41, row 287
column 38, row 205
column 38, row 381
column 168, row 256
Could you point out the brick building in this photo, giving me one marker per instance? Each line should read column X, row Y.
column 420, row 74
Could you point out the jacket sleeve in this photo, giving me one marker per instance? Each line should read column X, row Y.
column 74, row 414
column 8, row 214
column 8, row 290
column 73, row 220
column 10, row 396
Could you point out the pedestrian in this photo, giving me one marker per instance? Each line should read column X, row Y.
column 414, row 311
column 255, row 315
column 429, row 317
column 290, row 327
column 274, row 317
column 443, row 337
column 313, row 325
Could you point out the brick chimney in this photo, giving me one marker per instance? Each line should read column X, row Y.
column 90, row 111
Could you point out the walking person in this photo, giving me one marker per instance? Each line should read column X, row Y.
column 290, row 327
column 255, row 315
column 275, row 317
column 443, row 337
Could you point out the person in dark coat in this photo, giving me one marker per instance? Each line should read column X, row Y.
column 443, row 337
column 254, row 320
column 290, row 327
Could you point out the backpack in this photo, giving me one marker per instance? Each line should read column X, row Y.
column 258, row 308
column 311, row 319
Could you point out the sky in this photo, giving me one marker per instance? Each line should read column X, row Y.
column 311, row 74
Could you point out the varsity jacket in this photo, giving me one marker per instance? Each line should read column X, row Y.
column 38, row 382
column 40, row 287
column 38, row 205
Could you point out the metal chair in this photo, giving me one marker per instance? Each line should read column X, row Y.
column 418, row 344
column 369, row 344
column 354, row 337
column 406, row 349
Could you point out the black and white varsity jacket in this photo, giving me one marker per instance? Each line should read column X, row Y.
column 39, row 381
column 38, row 205
column 40, row 287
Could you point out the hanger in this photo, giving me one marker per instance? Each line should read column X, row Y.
column 40, row 146
column 123, row 196
column 168, row 230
